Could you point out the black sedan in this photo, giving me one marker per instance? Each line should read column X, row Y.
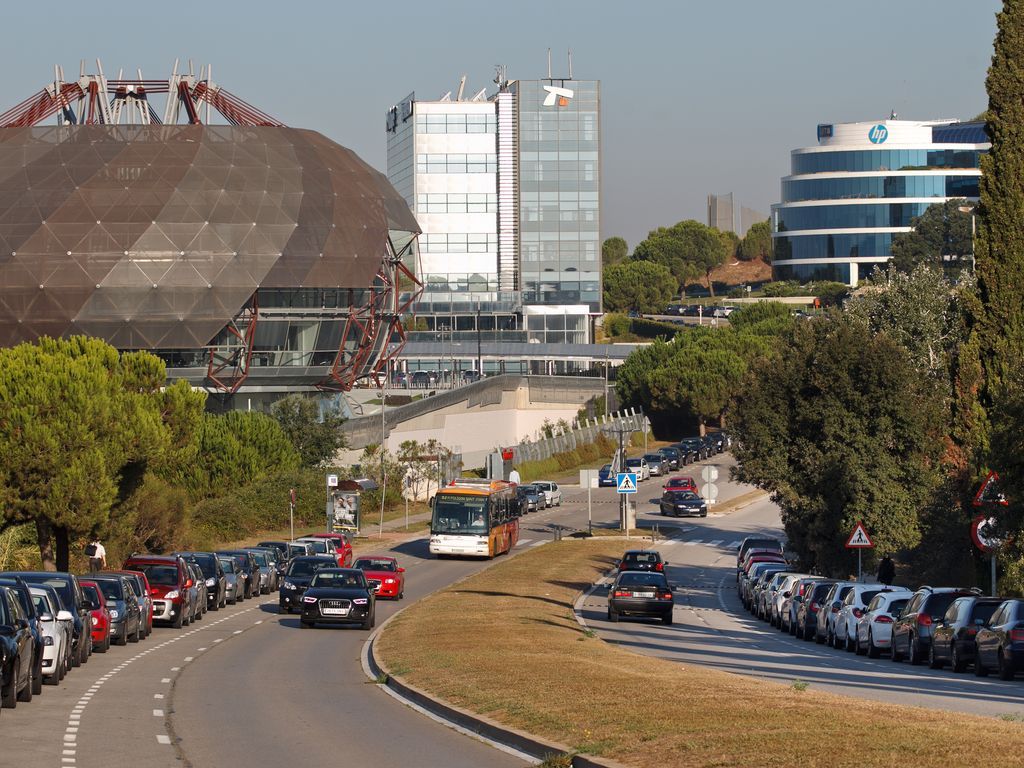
column 16, row 651
column 680, row 503
column 640, row 593
column 338, row 596
column 297, row 578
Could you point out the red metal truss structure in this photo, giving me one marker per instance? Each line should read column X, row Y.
column 95, row 100
column 229, row 250
column 374, row 334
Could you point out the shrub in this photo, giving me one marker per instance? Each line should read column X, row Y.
column 616, row 324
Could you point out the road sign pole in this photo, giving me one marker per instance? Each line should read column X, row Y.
column 860, row 572
column 993, row 573
column 590, row 508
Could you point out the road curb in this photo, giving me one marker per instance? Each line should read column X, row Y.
column 510, row 740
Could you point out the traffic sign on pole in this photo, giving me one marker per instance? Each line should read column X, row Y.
column 626, row 482
column 332, row 481
column 859, row 539
column 709, row 474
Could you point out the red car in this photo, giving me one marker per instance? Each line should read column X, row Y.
column 680, row 483
column 384, row 574
column 100, row 615
column 343, row 545
column 170, row 586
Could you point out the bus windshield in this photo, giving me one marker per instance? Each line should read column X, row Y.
column 459, row 514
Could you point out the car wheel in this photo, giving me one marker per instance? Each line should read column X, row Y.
column 873, row 650
column 401, row 595
column 26, row 693
column 303, row 624
column 9, row 693
column 980, row 670
column 914, row 652
column 818, row 639
column 1005, row 669
column 76, row 659
column 957, row 663
column 895, row 654
column 667, row 619
column 37, row 676
column 613, row 616
column 179, row 621
column 83, row 651
column 850, row 643
column 859, row 649
column 933, row 662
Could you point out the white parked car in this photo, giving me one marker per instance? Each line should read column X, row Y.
column 56, row 625
column 640, row 467
column 844, row 633
column 552, row 493
column 874, row 630
column 781, row 594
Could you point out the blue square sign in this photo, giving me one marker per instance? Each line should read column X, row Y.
column 626, row 482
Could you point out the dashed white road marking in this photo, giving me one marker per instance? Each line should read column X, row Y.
column 158, row 713
column 163, row 738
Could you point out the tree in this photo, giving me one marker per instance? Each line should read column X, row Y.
column 613, row 250
column 840, row 426
column 941, row 238
column 79, row 425
column 689, row 249
column 640, row 286
column 731, row 243
column 1000, row 241
column 316, row 437
column 757, row 243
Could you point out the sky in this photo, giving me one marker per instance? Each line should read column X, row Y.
column 697, row 97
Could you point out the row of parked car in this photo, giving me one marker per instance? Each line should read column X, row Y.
column 670, row 458
column 52, row 622
column 955, row 626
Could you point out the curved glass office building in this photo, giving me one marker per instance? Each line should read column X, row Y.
column 864, row 183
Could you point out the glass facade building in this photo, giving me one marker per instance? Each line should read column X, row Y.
column 861, row 185
column 506, row 189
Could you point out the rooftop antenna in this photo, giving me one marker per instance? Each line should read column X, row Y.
column 549, row 63
column 462, row 87
column 570, row 63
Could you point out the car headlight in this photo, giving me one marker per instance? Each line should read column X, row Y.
column 289, row 585
column 360, row 601
column 211, row 582
column 309, row 599
column 389, row 581
column 47, row 640
column 114, row 614
column 172, row 595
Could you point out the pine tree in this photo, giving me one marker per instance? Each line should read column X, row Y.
column 1000, row 242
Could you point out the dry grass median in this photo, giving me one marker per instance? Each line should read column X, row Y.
column 504, row 644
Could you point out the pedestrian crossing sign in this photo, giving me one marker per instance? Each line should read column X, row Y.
column 626, row 482
column 859, row 539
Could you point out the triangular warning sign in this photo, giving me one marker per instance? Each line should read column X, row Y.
column 859, row 538
column 626, row 484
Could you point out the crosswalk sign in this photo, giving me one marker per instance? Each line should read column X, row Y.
column 859, row 539
column 626, row 482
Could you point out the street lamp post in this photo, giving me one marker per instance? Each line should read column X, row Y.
column 383, row 462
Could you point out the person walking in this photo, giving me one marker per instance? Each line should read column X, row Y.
column 886, row 571
column 513, row 477
column 97, row 555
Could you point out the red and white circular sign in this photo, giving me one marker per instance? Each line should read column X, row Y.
column 983, row 531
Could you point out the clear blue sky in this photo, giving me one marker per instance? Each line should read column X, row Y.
column 698, row 97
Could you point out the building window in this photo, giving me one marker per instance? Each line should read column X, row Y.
column 477, row 163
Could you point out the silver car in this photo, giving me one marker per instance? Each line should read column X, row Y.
column 267, row 571
column 56, row 626
column 552, row 493
column 234, row 591
column 657, row 463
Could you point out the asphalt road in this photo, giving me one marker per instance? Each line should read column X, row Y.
column 712, row 628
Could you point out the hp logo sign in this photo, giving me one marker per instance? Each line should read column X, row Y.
column 878, row 134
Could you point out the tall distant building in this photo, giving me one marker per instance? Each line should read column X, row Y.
column 506, row 189
column 748, row 218
column 721, row 214
column 861, row 185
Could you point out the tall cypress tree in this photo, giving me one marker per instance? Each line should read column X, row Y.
column 1000, row 240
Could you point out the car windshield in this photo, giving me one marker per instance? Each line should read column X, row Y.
column 227, row 564
column 206, row 565
column 633, row 462
column 896, row 606
column 320, row 547
column 642, row 580
column 606, row 468
column 90, row 593
column 983, row 611
column 642, row 557
column 304, row 568
column 164, row 575
column 685, row 496
column 375, row 564
column 938, row 604
column 261, row 559
column 656, row 457
column 459, row 514
column 111, row 589
column 41, row 603
column 63, row 587
column 868, row 596
column 335, row 580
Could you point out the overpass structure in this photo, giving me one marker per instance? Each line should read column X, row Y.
column 478, row 418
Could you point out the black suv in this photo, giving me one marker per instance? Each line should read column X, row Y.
column 912, row 631
column 296, row 580
column 28, row 610
column 642, row 560
column 953, row 637
column 213, row 575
